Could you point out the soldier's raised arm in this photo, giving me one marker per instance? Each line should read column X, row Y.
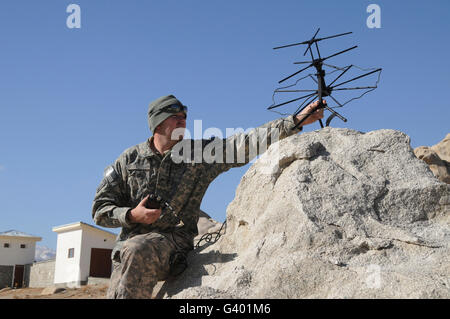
column 239, row 149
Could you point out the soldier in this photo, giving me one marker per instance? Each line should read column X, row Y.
column 156, row 199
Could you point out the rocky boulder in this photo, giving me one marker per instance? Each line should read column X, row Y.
column 333, row 213
column 443, row 148
column 437, row 157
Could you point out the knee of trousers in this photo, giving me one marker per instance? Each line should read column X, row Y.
column 146, row 248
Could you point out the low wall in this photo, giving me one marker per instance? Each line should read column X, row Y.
column 6, row 276
column 98, row 281
column 42, row 274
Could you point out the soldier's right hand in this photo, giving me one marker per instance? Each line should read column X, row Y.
column 143, row 215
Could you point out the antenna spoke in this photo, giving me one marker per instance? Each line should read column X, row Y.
column 284, row 103
column 307, row 42
column 312, row 56
column 290, row 45
column 358, row 77
column 317, row 47
column 309, row 47
column 311, row 41
column 333, row 66
column 313, row 79
column 334, row 112
column 333, row 36
column 294, row 74
column 356, row 88
column 343, row 72
column 295, row 91
column 337, row 102
column 340, row 53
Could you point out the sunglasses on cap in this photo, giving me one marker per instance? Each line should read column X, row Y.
column 174, row 108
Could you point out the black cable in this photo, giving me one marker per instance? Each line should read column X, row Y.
column 208, row 237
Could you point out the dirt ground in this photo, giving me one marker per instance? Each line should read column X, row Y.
column 84, row 292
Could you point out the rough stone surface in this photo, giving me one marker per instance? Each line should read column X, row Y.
column 333, row 213
column 52, row 290
column 437, row 157
column 443, row 148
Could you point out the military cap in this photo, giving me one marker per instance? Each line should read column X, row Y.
column 161, row 108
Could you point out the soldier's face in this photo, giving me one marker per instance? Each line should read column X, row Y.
column 173, row 127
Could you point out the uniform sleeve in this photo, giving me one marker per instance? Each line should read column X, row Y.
column 110, row 203
column 239, row 149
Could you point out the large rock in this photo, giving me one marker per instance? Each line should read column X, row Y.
column 437, row 157
column 333, row 213
column 443, row 148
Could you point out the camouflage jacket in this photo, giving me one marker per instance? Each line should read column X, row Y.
column 181, row 184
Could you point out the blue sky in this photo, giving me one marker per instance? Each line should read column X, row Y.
column 71, row 100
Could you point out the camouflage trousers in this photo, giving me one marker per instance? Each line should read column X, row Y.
column 144, row 260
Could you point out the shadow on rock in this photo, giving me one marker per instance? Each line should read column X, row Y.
column 192, row 276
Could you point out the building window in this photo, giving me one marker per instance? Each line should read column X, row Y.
column 5, row 245
column 23, row 246
column 71, row 252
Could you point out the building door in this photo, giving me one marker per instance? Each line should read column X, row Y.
column 18, row 276
column 100, row 263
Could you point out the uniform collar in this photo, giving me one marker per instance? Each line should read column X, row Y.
column 147, row 151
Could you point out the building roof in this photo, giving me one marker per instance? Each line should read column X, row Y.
column 16, row 233
column 80, row 225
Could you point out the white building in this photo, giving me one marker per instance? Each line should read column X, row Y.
column 82, row 251
column 17, row 249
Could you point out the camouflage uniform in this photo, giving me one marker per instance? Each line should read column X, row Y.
column 142, row 252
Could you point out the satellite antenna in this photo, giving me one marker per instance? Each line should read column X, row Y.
column 323, row 90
